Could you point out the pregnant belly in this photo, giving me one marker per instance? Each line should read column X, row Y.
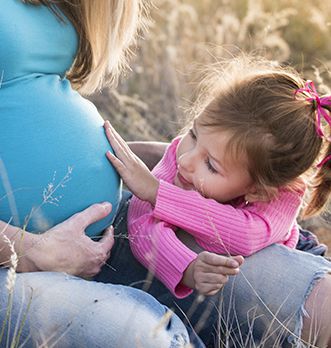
column 52, row 151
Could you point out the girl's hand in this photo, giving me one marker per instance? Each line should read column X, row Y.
column 66, row 247
column 150, row 152
column 131, row 168
column 209, row 272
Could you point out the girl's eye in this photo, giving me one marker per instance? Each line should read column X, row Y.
column 192, row 135
column 210, row 167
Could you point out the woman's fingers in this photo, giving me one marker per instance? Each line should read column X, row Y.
column 66, row 247
column 107, row 241
column 90, row 215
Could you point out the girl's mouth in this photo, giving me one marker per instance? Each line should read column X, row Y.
column 182, row 180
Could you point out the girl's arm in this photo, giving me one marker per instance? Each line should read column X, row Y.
column 155, row 245
column 223, row 228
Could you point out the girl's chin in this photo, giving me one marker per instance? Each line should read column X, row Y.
column 182, row 185
column 177, row 182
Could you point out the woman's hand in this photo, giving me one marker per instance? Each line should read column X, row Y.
column 131, row 168
column 66, row 247
column 209, row 272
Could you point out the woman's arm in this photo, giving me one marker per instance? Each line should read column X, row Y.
column 23, row 242
column 63, row 248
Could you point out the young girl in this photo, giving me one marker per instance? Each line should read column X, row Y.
column 234, row 180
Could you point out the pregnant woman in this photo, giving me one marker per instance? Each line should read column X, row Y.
column 53, row 166
column 55, row 179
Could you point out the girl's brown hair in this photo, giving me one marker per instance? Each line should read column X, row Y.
column 255, row 100
column 106, row 28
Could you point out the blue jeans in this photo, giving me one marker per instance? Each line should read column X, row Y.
column 58, row 310
column 263, row 305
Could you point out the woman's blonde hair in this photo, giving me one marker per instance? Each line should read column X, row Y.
column 275, row 127
column 106, row 29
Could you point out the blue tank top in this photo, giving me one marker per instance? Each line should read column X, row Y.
column 52, row 144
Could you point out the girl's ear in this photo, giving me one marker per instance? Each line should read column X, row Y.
column 260, row 194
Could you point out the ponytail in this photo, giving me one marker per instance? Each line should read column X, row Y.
column 321, row 186
column 322, row 179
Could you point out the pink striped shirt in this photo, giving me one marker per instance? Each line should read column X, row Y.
column 220, row 228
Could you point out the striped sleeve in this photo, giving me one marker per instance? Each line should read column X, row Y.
column 223, row 228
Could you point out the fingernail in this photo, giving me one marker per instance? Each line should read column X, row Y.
column 234, row 263
column 110, row 231
column 106, row 205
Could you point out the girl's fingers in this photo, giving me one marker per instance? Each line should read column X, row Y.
column 218, row 260
column 114, row 140
column 116, row 162
column 120, row 147
column 211, row 278
column 118, row 141
column 209, row 289
column 114, row 143
column 206, row 268
column 212, row 292
column 106, row 124
column 240, row 259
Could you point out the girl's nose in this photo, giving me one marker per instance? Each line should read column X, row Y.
column 186, row 161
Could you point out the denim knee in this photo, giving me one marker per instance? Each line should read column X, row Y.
column 58, row 309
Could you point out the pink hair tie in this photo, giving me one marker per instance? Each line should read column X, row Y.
column 324, row 160
column 312, row 96
column 320, row 102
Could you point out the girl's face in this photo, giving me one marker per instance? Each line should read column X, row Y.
column 202, row 165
